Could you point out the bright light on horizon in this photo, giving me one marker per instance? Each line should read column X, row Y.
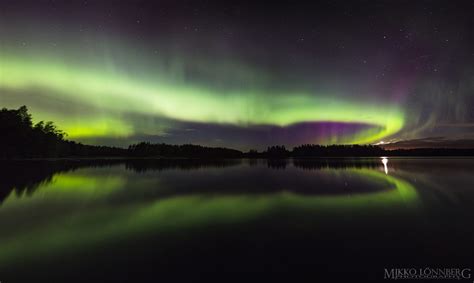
column 385, row 162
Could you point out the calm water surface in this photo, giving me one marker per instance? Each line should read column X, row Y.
column 138, row 220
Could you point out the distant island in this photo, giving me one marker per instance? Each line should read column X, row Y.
column 23, row 139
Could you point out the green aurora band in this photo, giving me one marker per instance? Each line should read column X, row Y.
column 114, row 90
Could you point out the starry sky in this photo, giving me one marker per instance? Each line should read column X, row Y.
column 243, row 74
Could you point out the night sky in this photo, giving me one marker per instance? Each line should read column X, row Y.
column 243, row 74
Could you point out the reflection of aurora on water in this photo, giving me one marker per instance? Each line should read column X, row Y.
column 103, row 221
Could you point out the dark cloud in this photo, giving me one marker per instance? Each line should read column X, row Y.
column 256, row 137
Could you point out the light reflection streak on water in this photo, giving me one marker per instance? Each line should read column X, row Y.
column 385, row 162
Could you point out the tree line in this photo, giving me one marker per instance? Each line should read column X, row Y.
column 23, row 139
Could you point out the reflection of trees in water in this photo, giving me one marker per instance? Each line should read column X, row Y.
column 144, row 165
column 23, row 177
column 339, row 163
column 277, row 163
column 26, row 176
column 324, row 163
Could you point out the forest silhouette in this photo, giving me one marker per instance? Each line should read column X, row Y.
column 21, row 138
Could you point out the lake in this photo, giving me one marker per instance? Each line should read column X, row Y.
column 133, row 220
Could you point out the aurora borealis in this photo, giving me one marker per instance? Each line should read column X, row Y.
column 235, row 75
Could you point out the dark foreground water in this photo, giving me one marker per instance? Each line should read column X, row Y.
column 167, row 221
